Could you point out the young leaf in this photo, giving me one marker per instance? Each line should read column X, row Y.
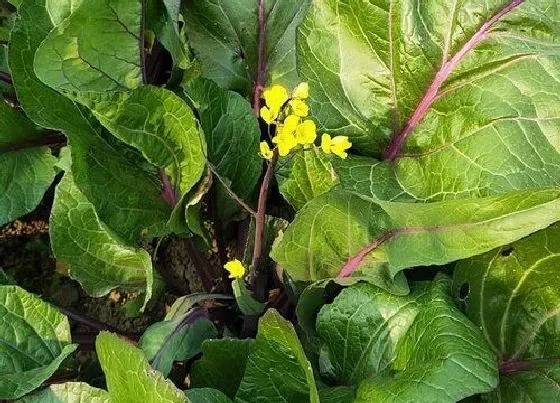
column 406, row 346
column 26, row 174
column 97, row 48
column 224, row 37
column 96, row 257
column 513, row 295
column 178, row 338
column 120, row 183
column 206, row 395
column 277, row 369
column 341, row 234
column 34, row 340
column 129, row 376
column 75, row 392
column 305, row 175
column 461, row 94
column 222, row 365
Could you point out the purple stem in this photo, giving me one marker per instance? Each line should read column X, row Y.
column 261, row 62
column 169, row 194
column 6, row 78
column 440, row 77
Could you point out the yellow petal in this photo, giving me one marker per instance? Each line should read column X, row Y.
column 266, row 152
column 268, row 115
column 299, row 107
column 275, row 97
column 286, row 142
column 339, row 145
column 235, row 268
column 326, row 143
column 290, row 124
column 301, row 91
column 306, row 133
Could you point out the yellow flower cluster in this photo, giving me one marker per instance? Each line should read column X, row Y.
column 235, row 268
column 292, row 129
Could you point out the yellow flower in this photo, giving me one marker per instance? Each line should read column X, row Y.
column 299, row 107
column 306, row 133
column 301, row 91
column 336, row 145
column 290, row 125
column 285, row 141
column 266, row 152
column 268, row 115
column 275, row 97
column 235, row 268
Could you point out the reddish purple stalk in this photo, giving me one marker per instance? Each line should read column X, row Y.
column 169, row 194
column 261, row 62
column 441, row 76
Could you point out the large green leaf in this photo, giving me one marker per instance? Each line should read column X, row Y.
column 341, row 234
column 34, row 340
column 470, row 88
column 95, row 256
column 160, row 125
column 206, row 395
column 123, row 187
column 232, row 134
column 222, row 365
column 95, row 49
column 398, row 348
column 69, row 392
column 277, row 370
column 513, row 294
column 27, row 173
column 129, row 376
column 224, row 36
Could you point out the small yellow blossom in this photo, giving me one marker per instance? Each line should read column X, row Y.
column 306, row 133
column 268, row 115
column 290, row 125
column 299, row 107
column 301, row 91
column 286, row 141
column 266, row 152
column 275, row 98
column 235, row 268
column 337, row 145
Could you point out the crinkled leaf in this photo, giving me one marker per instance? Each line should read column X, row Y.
column 176, row 339
column 224, row 36
column 134, row 202
column 129, row 375
column 471, row 86
column 206, row 395
column 305, row 175
column 69, row 392
column 405, row 346
column 222, row 365
column 160, row 125
column 343, row 234
column 277, row 370
column 512, row 293
column 95, row 49
column 34, row 340
column 339, row 394
column 232, row 134
column 246, row 302
column 95, row 256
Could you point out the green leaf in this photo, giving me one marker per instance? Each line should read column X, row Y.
column 98, row 259
column 81, row 53
column 467, row 86
column 341, row 234
column 305, row 175
column 206, row 395
column 6, row 279
column 129, row 376
column 277, row 369
column 222, row 365
column 34, row 340
column 512, row 293
column 339, row 394
column 405, row 346
column 247, row 304
column 177, row 338
column 224, row 37
column 69, row 392
column 536, row 382
column 232, row 134
column 123, row 187
column 160, row 125
column 26, row 173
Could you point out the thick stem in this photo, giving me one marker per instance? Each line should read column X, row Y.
column 54, row 140
column 169, row 194
column 261, row 62
column 6, row 78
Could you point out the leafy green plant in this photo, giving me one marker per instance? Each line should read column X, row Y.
column 367, row 192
